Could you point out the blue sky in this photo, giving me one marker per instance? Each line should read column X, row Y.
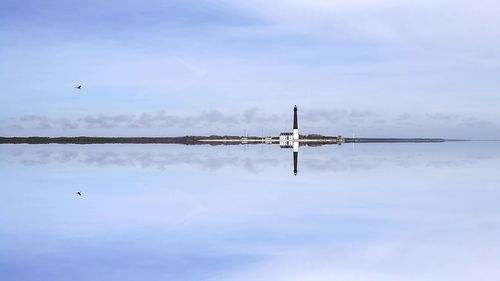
column 370, row 68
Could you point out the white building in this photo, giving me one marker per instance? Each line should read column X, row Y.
column 287, row 139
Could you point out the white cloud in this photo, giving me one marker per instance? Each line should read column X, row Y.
column 457, row 24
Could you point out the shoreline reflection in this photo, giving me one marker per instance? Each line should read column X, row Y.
column 254, row 159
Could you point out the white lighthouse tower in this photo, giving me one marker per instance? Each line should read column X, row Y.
column 295, row 125
column 291, row 140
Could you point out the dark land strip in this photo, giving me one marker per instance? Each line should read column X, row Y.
column 210, row 140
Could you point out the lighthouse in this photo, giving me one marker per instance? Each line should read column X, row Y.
column 291, row 140
column 287, row 139
column 295, row 125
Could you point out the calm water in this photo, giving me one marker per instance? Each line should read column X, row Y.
column 173, row 212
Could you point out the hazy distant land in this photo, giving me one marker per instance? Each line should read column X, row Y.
column 212, row 140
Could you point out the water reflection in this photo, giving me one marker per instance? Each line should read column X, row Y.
column 295, row 161
column 171, row 212
column 254, row 158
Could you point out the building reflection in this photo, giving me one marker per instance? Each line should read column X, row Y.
column 291, row 140
column 295, row 148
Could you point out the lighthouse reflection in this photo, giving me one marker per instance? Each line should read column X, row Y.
column 291, row 140
column 295, row 157
column 295, row 148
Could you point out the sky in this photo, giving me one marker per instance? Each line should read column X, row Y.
column 166, row 68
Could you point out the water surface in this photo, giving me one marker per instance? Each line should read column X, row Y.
column 176, row 212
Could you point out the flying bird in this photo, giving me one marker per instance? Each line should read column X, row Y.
column 79, row 87
column 79, row 193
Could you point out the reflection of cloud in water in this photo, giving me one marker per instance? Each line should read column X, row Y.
column 185, row 225
column 147, row 159
column 326, row 164
column 255, row 160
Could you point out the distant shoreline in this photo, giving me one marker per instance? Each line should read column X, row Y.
column 211, row 140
